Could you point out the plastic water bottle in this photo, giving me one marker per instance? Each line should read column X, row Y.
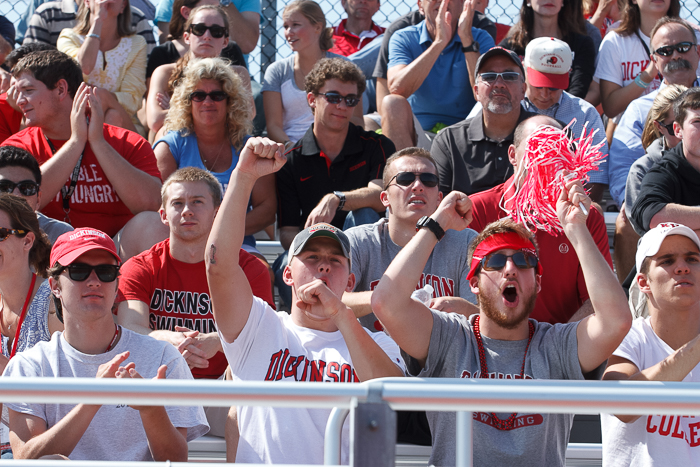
column 424, row 295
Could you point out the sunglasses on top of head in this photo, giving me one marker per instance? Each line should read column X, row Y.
column 336, row 98
column 428, row 179
column 201, row 96
column 26, row 187
column 497, row 261
column 681, row 47
column 217, row 32
column 5, row 233
column 79, row 272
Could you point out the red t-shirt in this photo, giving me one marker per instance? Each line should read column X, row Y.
column 10, row 119
column 178, row 293
column 563, row 287
column 346, row 43
column 94, row 203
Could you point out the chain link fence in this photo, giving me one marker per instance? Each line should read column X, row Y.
column 272, row 45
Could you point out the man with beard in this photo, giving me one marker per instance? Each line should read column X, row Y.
column 500, row 341
column 472, row 155
column 676, row 55
column 564, row 296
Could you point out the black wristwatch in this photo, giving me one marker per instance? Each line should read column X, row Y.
column 341, row 197
column 431, row 224
column 474, row 47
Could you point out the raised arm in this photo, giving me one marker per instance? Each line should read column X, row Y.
column 599, row 334
column 409, row 322
column 229, row 289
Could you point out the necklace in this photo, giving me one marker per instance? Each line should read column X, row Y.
column 213, row 164
column 113, row 343
column 497, row 422
column 21, row 319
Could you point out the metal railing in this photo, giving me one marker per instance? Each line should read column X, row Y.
column 452, row 395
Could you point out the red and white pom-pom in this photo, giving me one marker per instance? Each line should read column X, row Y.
column 549, row 152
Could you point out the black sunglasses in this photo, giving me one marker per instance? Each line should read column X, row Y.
column 26, row 187
column 491, row 77
column 201, row 96
column 667, row 50
column 217, row 32
column 669, row 127
column 335, row 98
column 407, row 178
column 497, row 261
column 4, row 233
column 79, row 272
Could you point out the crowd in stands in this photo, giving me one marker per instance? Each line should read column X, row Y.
column 140, row 162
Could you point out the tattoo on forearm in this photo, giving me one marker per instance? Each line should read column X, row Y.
column 212, row 255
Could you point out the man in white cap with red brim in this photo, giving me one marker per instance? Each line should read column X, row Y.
column 83, row 280
column 665, row 346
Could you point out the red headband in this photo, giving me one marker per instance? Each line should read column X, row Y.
column 501, row 241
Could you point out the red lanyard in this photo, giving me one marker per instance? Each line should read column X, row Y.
column 22, row 316
column 114, row 339
column 497, row 422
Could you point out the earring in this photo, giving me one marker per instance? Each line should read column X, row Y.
column 529, row 5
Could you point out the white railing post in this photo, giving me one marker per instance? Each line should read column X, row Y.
column 463, row 435
column 333, row 440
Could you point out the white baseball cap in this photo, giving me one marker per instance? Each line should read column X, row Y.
column 651, row 242
column 548, row 62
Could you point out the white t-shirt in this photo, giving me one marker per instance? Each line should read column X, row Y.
column 272, row 348
column 654, row 439
column 116, row 432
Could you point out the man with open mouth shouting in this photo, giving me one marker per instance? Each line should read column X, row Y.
column 500, row 341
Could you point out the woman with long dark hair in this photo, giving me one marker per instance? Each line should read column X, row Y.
column 562, row 19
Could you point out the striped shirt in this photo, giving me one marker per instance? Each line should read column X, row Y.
column 51, row 18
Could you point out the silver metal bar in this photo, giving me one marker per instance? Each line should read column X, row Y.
column 332, row 442
column 463, row 435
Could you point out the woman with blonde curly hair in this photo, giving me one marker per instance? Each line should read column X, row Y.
column 209, row 121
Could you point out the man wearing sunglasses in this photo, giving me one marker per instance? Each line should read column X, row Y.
column 428, row 72
column 83, row 280
column 472, row 155
column 676, row 55
column 334, row 169
column 500, row 341
column 321, row 340
column 564, row 297
column 20, row 175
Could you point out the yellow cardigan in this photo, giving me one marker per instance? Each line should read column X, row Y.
column 121, row 70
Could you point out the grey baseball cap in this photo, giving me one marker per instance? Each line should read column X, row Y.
column 494, row 51
column 319, row 230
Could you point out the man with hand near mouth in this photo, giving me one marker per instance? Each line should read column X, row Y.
column 321, row 340
column 500, row 341
column 564, row 297
column 665, row 346
column 83, row 280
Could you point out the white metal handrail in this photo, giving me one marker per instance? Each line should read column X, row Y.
column 454, row 395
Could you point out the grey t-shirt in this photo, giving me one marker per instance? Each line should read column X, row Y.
column 116, row 432
column 538, row 439
column 446, row 269
column 53, row 227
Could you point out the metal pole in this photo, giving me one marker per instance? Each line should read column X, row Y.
column 465, row 456
column 333, row 439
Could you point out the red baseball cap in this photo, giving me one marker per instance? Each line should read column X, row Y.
column 69, row 246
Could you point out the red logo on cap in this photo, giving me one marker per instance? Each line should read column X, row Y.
column 552, row 60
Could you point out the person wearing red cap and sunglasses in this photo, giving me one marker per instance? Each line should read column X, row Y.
column 500, row 341
column 83, row 280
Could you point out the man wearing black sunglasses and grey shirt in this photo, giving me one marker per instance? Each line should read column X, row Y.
column 83, row 280
column 472, row 155
column 20, row 175
column 334, row 168
column 564, row 297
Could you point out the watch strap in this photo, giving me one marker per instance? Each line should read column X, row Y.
column 341, row 197
column 473, row 47
column 432, row 225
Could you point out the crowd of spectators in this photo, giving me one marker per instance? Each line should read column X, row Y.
column 140, row 163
